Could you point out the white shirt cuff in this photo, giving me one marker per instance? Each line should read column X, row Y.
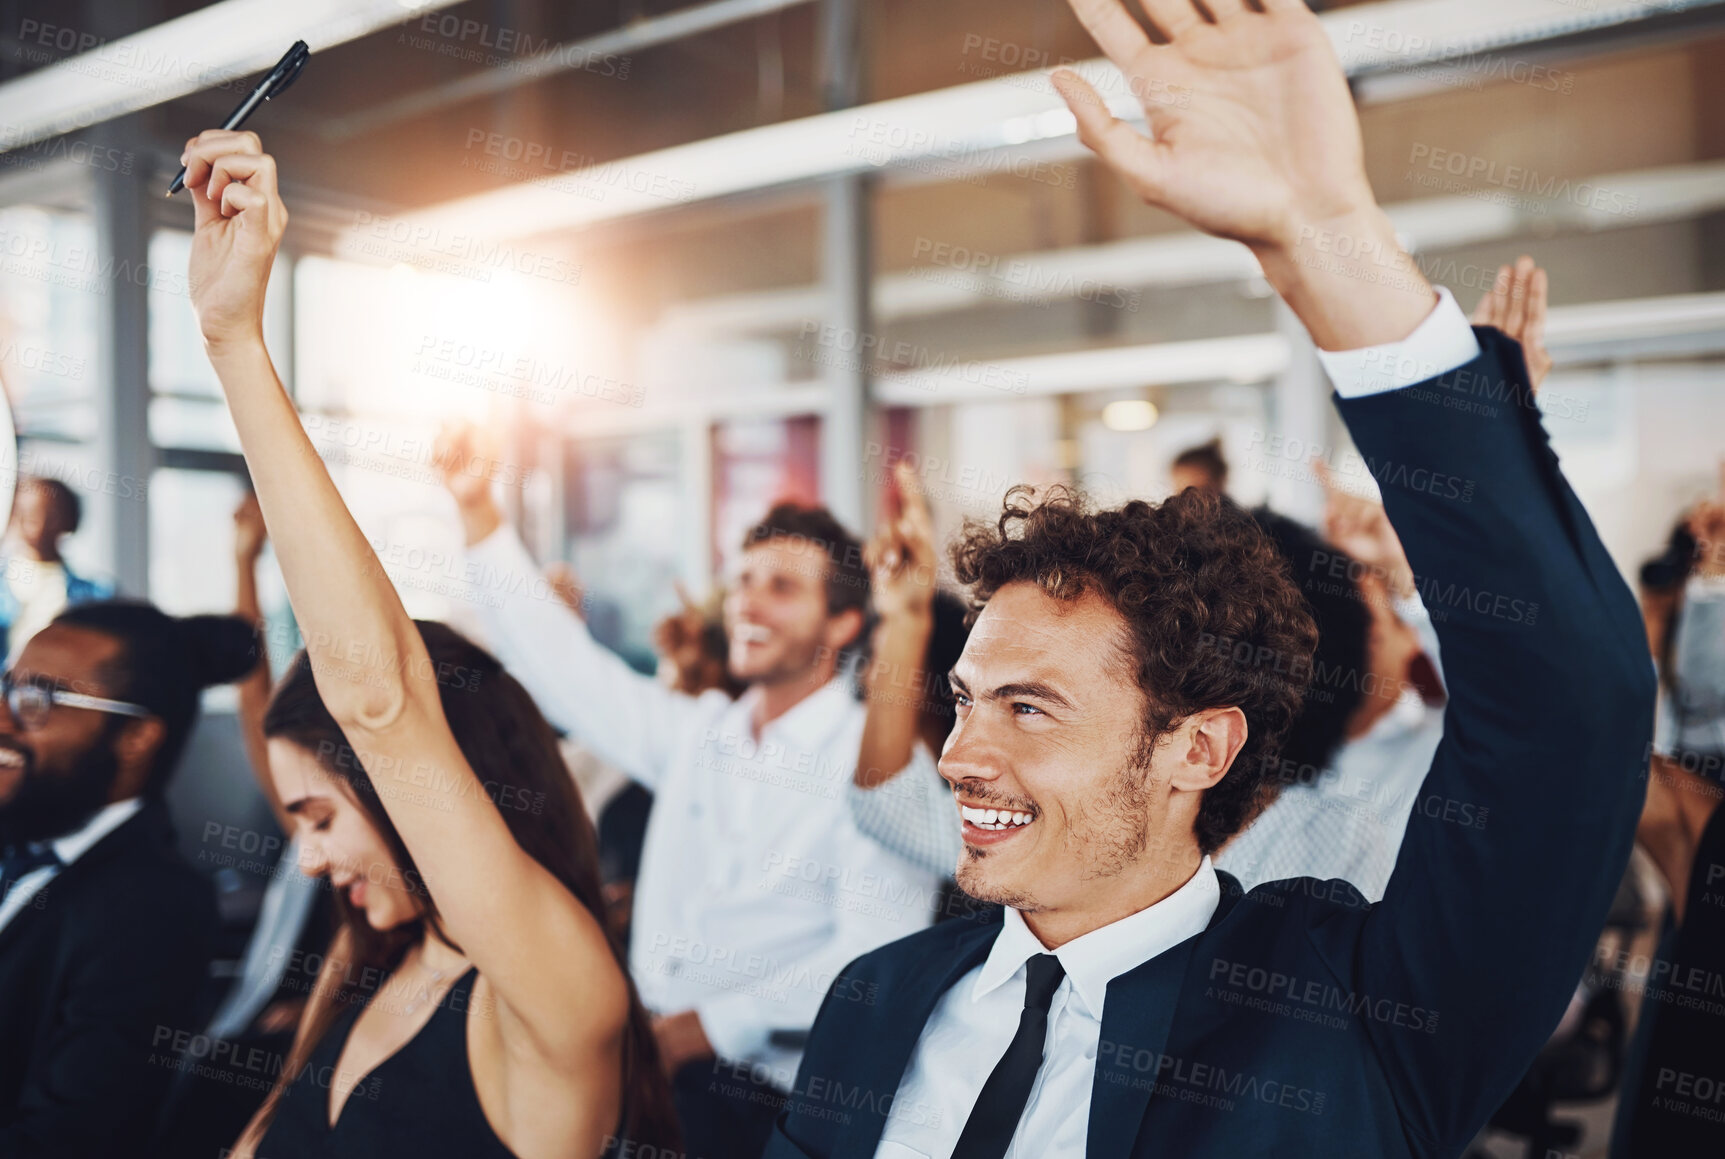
column 1440, row 344
column 733, row 1027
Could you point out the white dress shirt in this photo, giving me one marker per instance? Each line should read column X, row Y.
column 915, row 815
column 974, row 1022
column 68, row 848
column 756, row 887
column 1349, row 823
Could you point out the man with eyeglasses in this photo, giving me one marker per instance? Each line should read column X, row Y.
column 104, row 929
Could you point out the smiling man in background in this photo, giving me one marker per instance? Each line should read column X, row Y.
column 756, row 885
column 105, row 930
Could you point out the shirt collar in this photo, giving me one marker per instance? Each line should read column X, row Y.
column 1100, row 956
column 810, row 722
column 111, row 817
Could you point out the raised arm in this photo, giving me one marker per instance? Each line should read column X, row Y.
column 632, row 721
column 896, row 795
column 901, row 557
column 249, row 538
column 559, row 987
column 1524, row 825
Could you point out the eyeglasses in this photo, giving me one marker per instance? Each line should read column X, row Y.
column 30, row 702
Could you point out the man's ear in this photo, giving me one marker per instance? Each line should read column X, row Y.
column 1204, row 747
column 135, row 747
column 844, row 628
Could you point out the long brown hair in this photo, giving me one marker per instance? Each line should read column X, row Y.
column 513, row 752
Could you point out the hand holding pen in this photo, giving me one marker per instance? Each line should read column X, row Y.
column 275, row 82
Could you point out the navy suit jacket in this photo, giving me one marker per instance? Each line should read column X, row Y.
column 96, row 973
column 1303, row 1021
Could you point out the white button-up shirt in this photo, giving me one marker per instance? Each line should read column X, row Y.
column 974, row 1022
column 69, row 848
column 756, row 887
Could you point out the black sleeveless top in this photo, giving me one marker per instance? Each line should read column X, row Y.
column 419, row 1101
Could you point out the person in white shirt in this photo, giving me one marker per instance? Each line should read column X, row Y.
column 1350, row 772
column 756, row 886
column 35, row 582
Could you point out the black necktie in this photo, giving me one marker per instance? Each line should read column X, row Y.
column 993, row 1121
column 21, row 860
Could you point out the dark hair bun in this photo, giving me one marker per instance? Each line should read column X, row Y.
column 219, row 649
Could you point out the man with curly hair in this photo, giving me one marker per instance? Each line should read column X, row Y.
column 1130, row 671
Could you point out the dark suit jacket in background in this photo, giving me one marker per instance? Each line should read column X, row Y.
column 1302, row 1021
column 97, row 974
column 1673, row 1098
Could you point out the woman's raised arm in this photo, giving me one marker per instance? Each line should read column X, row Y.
column 529, row 937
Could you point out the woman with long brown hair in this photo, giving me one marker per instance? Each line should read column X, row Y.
column 471, row 1003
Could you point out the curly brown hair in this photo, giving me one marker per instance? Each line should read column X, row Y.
column 1213, row 616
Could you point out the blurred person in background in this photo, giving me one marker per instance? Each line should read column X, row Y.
column 472, row 1003
column 691, row 647
column 1350, row 771
column 105, row 930
column 37, row 580
column 1673, row 1100
column 755, row 885
column 897, row 795
column 1202, row 466
column 217, row 1090
column 1684, row 592
column 1345, row 781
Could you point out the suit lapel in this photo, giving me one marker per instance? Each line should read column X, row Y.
column 1137, row 1016
column 887, row 1056
column 9, row 933
column 135, row 833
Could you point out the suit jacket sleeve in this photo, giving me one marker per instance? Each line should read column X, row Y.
column 1522, row 829
column 132, row 970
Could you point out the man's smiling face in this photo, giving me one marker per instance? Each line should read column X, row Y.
column 1048, row 759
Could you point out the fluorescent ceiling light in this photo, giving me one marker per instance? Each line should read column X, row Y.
column 1130, row 414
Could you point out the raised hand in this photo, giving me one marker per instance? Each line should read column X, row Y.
column 1252, row 128
column 1707, row 524
column 1515, row 304
column 566, row 586
column 464, row 454
column 1253, row 136
column 249, row 531
column 1361, row 528
column 901, row 554
column 680, row 641
column 240, row 219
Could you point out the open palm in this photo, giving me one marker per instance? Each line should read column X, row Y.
column 1253, row 133
column 901, row 556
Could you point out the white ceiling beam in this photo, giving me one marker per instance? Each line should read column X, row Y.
column 1104, row 272
column 214, row 46
column 980, row 127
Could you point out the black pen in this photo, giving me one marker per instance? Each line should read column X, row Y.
column 274, row 84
